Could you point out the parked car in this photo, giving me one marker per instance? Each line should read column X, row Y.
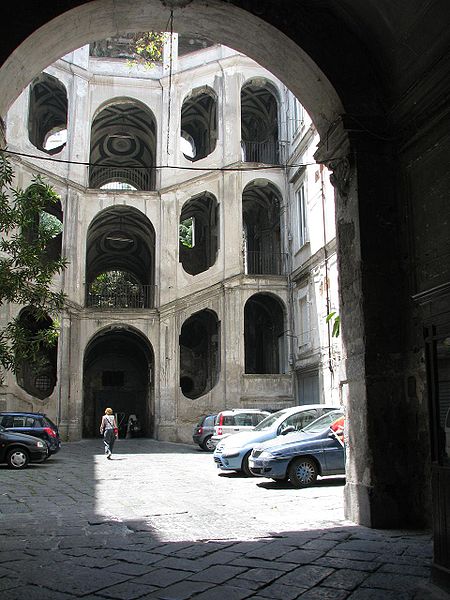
column 230, row 422
column 203, row 432
column 18, row 449
column 302, row 456
column 233, row 453
column 35, row 424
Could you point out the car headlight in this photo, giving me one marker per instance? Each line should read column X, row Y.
column 41, row 444
column 266, row 455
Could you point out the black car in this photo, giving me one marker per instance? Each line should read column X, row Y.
column 35, row 424
column 18, row 449
column 203, row 432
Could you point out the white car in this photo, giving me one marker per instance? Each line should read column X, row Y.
column 232, row 453
column 230, row 422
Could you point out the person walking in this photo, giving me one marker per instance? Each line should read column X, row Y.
column 109, row 430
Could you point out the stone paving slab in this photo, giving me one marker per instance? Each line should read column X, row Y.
column 139, row 526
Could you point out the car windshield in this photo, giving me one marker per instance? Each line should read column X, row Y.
column 269, row 421
column 322, row 422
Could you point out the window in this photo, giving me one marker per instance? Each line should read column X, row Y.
column 297, row 116
column 308, row 388
column 304, row 332
column 256, row 419
column 299, row 420
column 302, row 221
column 243, row 420
column 22, row 422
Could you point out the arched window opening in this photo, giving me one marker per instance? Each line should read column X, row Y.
column 198, row 232
column 47, row 228
column 261, row 202
column 38, row 377
column 199, row 123
column 120, row 260
column 47, row 115
column 259, row 123
column 118, row 372
column 123, row 147
column 199, row 354
column 264, row 335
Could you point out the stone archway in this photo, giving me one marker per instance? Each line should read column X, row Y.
column 374, row 496
column 118, row 373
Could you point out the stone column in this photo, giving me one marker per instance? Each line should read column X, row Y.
column 381, row 454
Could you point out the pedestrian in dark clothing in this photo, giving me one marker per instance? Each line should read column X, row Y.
column 109, row 430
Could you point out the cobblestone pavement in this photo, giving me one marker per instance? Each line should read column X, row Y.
column 159, row 521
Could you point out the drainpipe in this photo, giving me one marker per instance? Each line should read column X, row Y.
column 322, row 193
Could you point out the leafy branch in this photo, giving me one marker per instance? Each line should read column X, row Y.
column 27, row 269
column 336, row 320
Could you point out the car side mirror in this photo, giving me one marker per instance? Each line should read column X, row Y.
column 289, row 429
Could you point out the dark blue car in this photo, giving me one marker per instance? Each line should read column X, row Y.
column 35, row 424
column 303, row 455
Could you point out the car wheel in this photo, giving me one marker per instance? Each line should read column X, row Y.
column 207, row 444
column 302, row 472
column 17, row 458
column 245, row 467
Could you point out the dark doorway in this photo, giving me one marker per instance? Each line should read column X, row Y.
column 118, row 373
column 264, row 334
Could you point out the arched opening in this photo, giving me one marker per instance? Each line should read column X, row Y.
column 199, row 233
column 199, row 123
column 199, row 354
column 259, row 123
column 47, row 114
column 292, row 49
column 123, row 147
column 264, row 334
column 46, row 227
column 120, row 260
column 38, row 377
column 118, row 373
column 261, row 204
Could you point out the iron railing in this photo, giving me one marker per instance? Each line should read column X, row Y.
column 268, row 153
column 265, row 263
column 121, row 178
column 142, row 296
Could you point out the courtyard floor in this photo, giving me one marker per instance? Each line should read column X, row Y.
column 160, row 521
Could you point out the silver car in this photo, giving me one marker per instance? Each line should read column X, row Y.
column 233, row 453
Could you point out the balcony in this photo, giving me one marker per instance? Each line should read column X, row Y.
column 268, row 153
column 122, row 178
column 121, row 297
column 265, row 263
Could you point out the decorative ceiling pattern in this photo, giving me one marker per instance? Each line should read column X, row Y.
column 121, row 239
column 123, row 146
